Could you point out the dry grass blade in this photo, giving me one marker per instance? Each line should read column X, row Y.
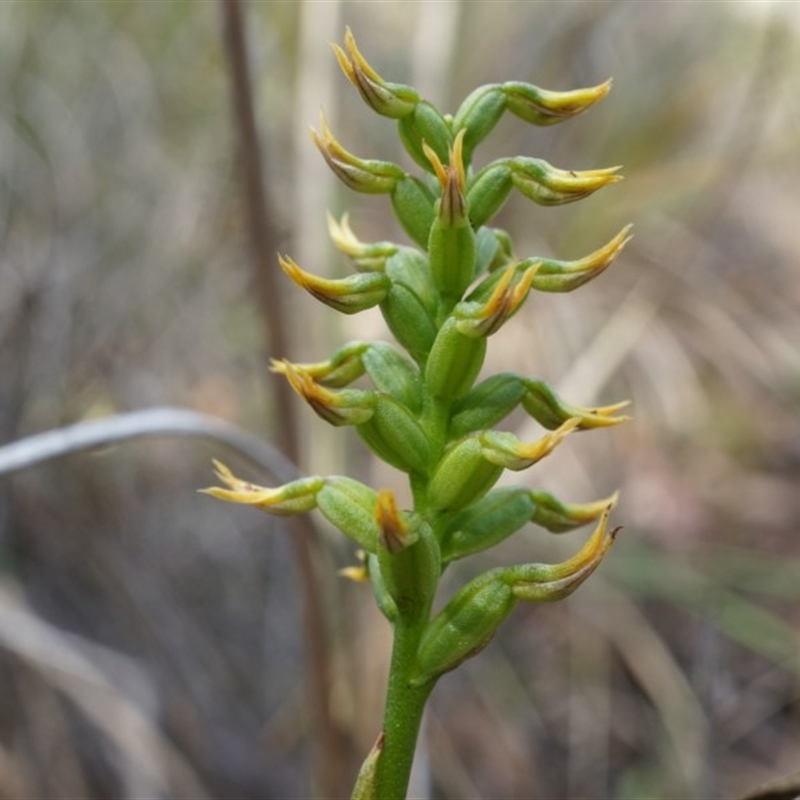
column 61, row 658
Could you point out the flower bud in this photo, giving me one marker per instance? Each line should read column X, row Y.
column 362, row 175
column 505, row 450
column 564, row 276
column 545, row 107
column 464, row 626
column 454, row 361
column 549, row 186
column 463, row 476
column 389, row 99
column 486, row 404
column 468, row 622
column 394, row 435
column 451, row 245
column 344, row 407
column 411, row 268
column 426, row 125
column 550, row 582
column 394, row 374
column 413, row 205
column 409, row 321
column 476, row 319
column 350, row 506
column 558, row 517
column 478, row 115
column 410, row 564
column 488, row 191
column 341, row 369
column 549, row 410
column 292, row 498
column 367, row 257
column 348, row 295
column 486, row 523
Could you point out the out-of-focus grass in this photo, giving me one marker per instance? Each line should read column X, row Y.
column 123, row 284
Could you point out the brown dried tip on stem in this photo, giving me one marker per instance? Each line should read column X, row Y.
column 394, row 532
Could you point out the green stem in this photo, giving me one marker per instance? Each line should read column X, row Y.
column 404, row 706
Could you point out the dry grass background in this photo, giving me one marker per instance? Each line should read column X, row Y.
column 150, row 641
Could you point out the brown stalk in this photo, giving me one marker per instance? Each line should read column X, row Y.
column 331, row 760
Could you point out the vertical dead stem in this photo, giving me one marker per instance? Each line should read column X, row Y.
column 263, row 239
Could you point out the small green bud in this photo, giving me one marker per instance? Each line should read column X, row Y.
column 347, row 295
column 394, row 435
column 409, row 321
column 343, row 407
column 394, row 374
column 350, row 506
column 468, row 622
column 367, row 257
column 464, row 626
column 454, row 361
column 426, row 126
column 410, row 268
column 478, row 115
column 564, row 276
column 488, row 191
column 545, row 107
column 451, row 245
column 292, row 498
column 549, row 186
column 486, row 404
column 409, row 558
column 463, row 476
column 389, row 99
column 506, row 450
column 486, row 523
column 362, row 175
column 413, row 204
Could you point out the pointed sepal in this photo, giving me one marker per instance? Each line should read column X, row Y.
column 367, row 256
column 564, row 276
column 369, row 176
column 388, row 99
column 291, row 498
column 546, row 107
column 348, row 295
column 343, row 407
column 549, row 186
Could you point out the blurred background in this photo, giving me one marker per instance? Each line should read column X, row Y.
column 152, row 640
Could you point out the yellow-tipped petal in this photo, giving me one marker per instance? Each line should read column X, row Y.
column 505, row 450
column 291, row 498
column 345, row 407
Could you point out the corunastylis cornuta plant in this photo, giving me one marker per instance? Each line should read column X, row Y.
column 442, row 298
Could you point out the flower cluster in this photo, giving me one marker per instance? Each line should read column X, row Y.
column 425, row 414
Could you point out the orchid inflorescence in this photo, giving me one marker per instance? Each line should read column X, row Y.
column 426, row 415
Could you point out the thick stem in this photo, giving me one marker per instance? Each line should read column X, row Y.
column 403, row 715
